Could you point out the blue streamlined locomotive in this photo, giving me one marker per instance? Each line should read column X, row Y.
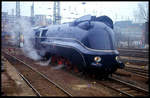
column 87, row 42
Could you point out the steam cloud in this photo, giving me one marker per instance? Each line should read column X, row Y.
column 44, row 63
column 58, row 67
column 23, row 25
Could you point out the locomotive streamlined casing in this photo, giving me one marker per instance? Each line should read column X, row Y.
column 81, row 43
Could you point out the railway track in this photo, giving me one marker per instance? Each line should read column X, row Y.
column 137, row 71
column 137, row 62
column 134, row 53
column 124, row 87
column 41, row 85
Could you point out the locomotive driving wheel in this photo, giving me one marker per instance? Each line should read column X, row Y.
column 68, row 64
column 53, row 59
column 75, row 69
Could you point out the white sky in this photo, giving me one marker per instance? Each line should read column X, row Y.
column 115, row 9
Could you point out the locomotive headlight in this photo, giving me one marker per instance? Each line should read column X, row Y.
column 117, row 58
column 97, row 59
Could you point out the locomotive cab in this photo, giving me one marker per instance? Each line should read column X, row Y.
column 40, row 35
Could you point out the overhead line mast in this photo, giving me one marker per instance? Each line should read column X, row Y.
column 56, row 13
column 17, row 9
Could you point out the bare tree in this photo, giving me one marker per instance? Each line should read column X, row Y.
column 142, row 12
column 143, row 9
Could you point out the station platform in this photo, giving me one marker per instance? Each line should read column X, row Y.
column 12, row 83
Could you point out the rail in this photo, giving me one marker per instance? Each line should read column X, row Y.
column 124, row 87
column 138, row 71
column 8, row 56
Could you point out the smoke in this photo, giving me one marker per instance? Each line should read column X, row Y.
column 24, row 27
column 44, row 63
column 58, row 67
column 12, row 30
column 28, row 34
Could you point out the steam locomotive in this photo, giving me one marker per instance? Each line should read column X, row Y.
column 87, row 43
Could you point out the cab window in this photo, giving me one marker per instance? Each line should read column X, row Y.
column 43, row 35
